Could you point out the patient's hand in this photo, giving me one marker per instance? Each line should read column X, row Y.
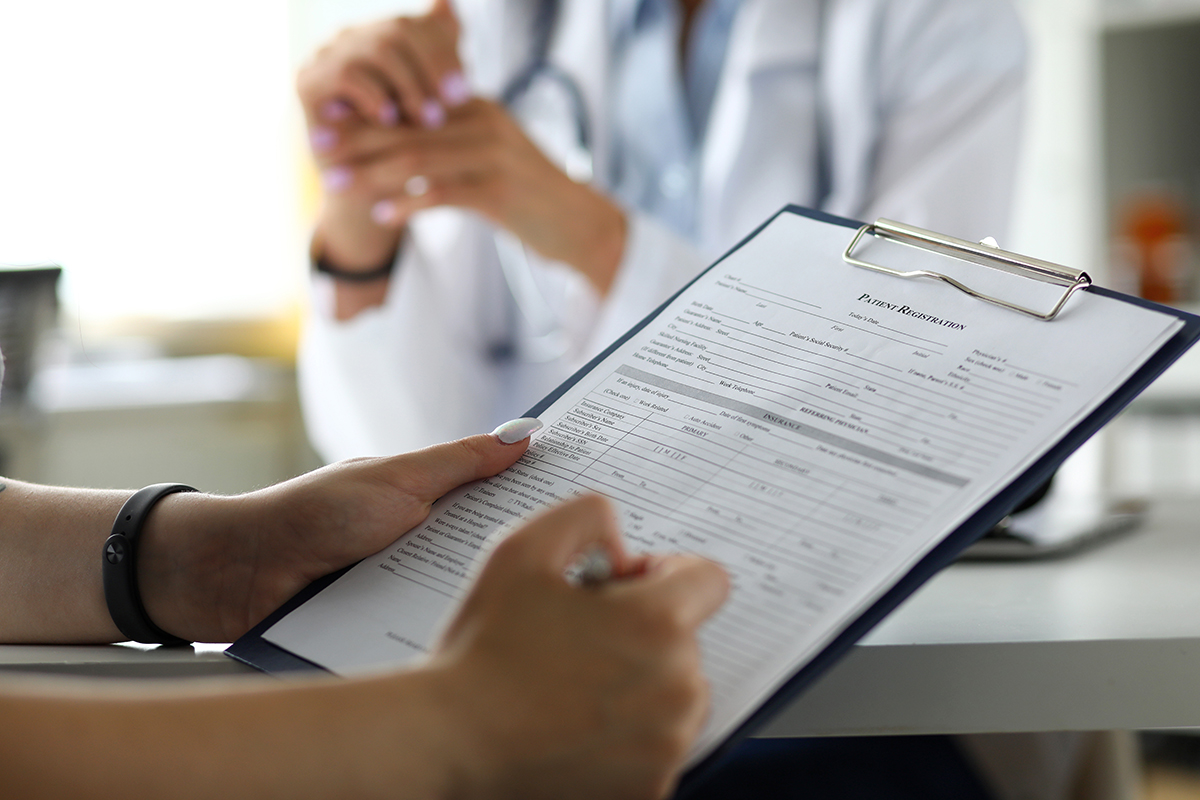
column 556, row 691
column 211, row 567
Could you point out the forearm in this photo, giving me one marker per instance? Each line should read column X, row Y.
column 350, row 240
column 51, row 587
column 656, row 261
column 369, row 738
column 585, row 229
column 535, row 687
column 51, row 550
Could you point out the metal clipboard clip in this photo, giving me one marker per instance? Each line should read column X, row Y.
column 982, row 254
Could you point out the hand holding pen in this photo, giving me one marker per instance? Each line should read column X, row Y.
column 616, row 666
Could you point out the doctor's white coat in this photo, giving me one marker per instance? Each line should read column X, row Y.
column 918, row 103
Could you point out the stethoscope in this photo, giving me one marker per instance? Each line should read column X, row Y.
column 539, row 66
column 546, row 340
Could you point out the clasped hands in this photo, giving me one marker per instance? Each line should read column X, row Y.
column 395, row 130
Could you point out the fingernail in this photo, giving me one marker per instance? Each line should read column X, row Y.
column 455, row 90
column 335, row 110
column 383, row 212
column 517, row 430
column 416, row 186
column 389, row 114
column 323, row 139
column 336, row 178
column 432, row 114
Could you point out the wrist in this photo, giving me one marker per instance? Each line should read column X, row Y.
column 349, row 240
column 361, row 269
column 380, row 272
column 609, row 251
column 413, row 735
column 187, row 544
column 602, row 241
column 122, row 594
column 468, row 768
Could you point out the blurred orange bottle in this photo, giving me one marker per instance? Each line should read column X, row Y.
column 1155, row 225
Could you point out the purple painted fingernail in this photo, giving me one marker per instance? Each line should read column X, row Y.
column 337, row 178
column 455, row 90
column 335, row 110
column 323, row 139
column 389, row 114
column 432, row 114
column 383, row 212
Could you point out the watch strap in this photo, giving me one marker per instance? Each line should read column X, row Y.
column 376, row 273
column 121, row 591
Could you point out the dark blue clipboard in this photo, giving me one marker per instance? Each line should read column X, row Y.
column 254, row 650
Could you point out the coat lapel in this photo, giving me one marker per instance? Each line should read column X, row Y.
column 761, row 132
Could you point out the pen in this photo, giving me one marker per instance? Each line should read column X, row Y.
column 593, row 568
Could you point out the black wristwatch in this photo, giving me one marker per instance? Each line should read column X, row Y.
column 120, row 567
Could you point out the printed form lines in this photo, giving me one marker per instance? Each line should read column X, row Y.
column 900, row 396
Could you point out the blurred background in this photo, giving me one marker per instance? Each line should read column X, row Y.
column 157, row 155
column 155, row 152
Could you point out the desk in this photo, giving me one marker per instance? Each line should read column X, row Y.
column 224, row 423
column 1107, row 639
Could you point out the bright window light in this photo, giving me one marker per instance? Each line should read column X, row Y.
column 152, row 149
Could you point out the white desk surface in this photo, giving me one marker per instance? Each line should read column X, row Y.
column 1105, row 639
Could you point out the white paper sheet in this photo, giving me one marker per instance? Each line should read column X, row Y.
column 815, row 427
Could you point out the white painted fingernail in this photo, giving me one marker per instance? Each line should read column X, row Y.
column 517, row 430
column 416, row 186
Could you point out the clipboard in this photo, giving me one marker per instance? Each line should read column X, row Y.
column 256, row 651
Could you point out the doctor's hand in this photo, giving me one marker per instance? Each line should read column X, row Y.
column 483, row 161
column 398, row 72
column 554, row 690
column 394, row 71
column 211, row 567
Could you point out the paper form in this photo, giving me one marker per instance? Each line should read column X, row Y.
column 814, row 427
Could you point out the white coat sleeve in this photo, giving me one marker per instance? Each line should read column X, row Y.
column 411, row 372
column 656, row 264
